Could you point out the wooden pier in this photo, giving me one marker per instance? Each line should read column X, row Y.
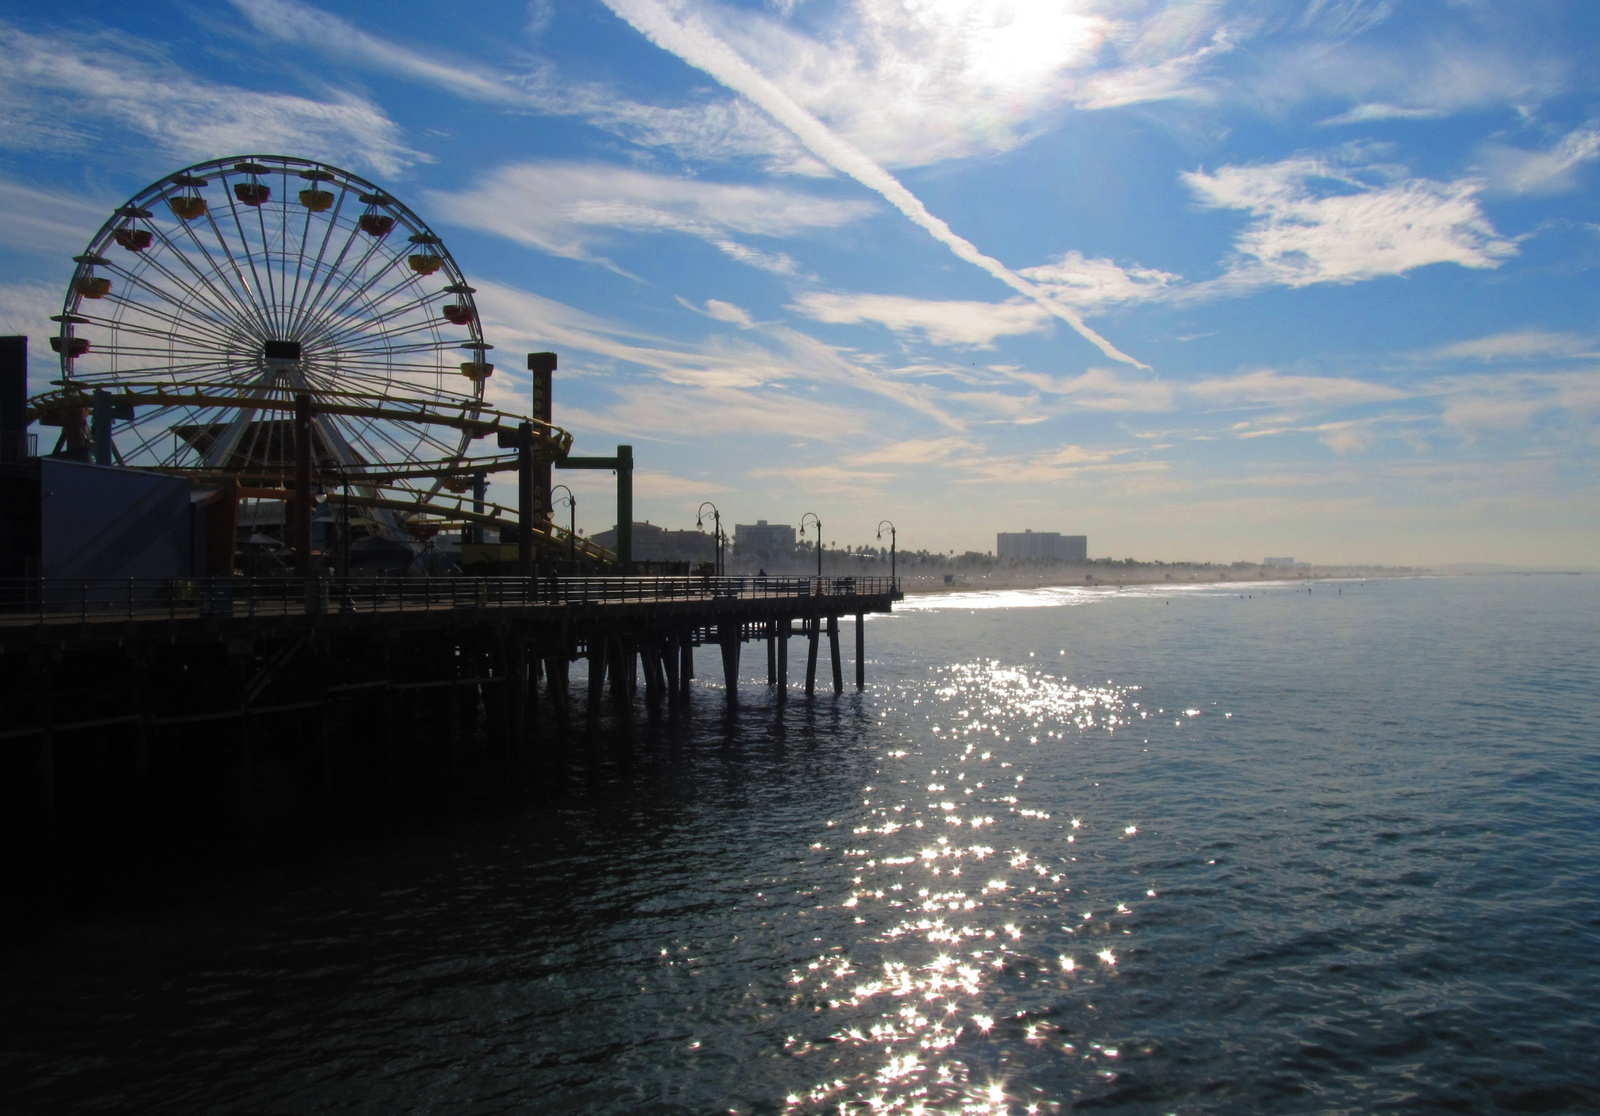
column 144, row 715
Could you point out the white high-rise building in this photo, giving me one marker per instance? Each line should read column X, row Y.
column 1035, row 545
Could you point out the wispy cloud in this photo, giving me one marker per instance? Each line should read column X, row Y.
column 1434, row 72
column 1528, row 344
column 1476, row 406
column 1057, row 465
column 1367, row 113
column 1316, row 222
column 1096, row 284
column 769, row 356
column 1553, row 171
column 943, row 322
column 565, row 208
column 1271, row 388
column 715, row 130
column 57, row 222
column 919, row 451
column 918, row 83
column 25, row 309
column 1103, row 389
column 61, row 89
column 690, row 38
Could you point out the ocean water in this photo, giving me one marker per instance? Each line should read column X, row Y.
column 1190, row 850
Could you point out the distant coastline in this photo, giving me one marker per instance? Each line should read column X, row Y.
column 1139, row 573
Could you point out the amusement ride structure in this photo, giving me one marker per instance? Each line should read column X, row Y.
column 226, row 295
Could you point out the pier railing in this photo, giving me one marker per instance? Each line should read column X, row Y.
column 90, row 600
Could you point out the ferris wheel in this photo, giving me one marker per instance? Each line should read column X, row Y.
column 218, row 294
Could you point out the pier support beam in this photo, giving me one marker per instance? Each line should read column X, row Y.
column 649, row 650
column 555, row 673
column 728, row 635
column 861, row 651
column 597, row 679
column 833, row 647
column 783, row 660
column 813, row 631
column 686, row 664
column 671, row 657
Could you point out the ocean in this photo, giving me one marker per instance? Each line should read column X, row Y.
column 1284, row 847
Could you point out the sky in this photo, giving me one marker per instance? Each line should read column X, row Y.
column 1199, row 279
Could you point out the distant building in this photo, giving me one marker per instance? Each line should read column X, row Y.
column 1277, row 561
column 763, row 541
column 1035, row 545
column 658, row 544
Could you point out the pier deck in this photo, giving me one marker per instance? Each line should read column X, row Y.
column 145, row 715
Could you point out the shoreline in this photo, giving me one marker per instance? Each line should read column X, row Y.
column 934, row 583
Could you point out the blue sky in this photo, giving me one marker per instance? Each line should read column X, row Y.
column 1200, row 280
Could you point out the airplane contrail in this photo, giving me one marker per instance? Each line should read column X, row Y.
column 691, row 40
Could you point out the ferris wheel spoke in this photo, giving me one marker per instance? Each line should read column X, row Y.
column 264, row 288
column 402, row 452
column 159, row 428
column 244, row 302
column 324, row 309
column 176, row 304
column 379, row 386
column 338, row 439
column 262, row 292
column 397, row 345
column 191, row 370
column 170, row 334
column 380, row 376
column 146, row 322
column 297, row 304
column 252, row 296
column 306, row 305
column 352, row 296
column 162, row 360
column 213, row 297
column 292, row 300
column 360, row 273
column 389, row 309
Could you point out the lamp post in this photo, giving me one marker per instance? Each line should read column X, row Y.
column 818, row 524
column 572, row 522
column 716, row 531
column 881, row 524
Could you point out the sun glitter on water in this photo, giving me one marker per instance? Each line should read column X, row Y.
column 920, row 994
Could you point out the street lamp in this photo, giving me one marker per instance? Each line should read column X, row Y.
column 717, row 536
column 572, row 522
column 818, row 524
column 881, row 523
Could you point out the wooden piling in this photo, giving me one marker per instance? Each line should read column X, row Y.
column 861, row 651
column 813, row 630
column 728, row 635
column 783, row 660
column 686, row 665
column 833, row 646
column 597, row 679
column 670, row 658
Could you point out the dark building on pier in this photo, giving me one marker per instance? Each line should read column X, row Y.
column 660, row 544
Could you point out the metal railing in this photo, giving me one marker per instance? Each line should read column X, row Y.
column 16, row 446
column 99, row 600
